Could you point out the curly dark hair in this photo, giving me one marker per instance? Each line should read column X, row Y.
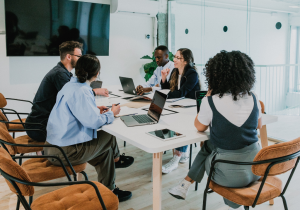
column 230, row 72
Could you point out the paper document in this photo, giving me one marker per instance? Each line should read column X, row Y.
column 174, row 99
column 126, row 111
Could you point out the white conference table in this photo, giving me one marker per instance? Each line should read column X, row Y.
column 182, row 122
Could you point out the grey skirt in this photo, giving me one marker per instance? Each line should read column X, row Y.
column 229, row 175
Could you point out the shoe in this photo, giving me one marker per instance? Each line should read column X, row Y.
column 124, row 161
column 171, row 165
column 185, row 156
column 180, row 191
column 122, row 195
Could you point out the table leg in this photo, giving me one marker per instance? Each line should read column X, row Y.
column 264, row 143
column 157, row 177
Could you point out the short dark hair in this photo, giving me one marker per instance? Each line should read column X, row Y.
column 230, row 72
column 163, row 48
column 68, row 47
column 87, row 67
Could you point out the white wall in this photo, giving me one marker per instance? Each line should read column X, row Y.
column 21, row 76
column 267, row 44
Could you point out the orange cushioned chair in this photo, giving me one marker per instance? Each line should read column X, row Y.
column 24, row 140
column 38, row 168
column 15, row 125
column 80, row 195
column 269, row 162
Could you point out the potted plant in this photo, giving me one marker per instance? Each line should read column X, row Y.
column 149, row 68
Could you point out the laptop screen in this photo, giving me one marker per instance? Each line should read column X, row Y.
column 199, row 96
column 157, row 105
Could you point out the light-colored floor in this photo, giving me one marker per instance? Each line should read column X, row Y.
column 137, row 178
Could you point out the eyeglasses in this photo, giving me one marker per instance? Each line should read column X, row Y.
column 177, row 58
column 76, row 55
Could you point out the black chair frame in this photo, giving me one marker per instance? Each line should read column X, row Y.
column 272, row 162
column 27, row 205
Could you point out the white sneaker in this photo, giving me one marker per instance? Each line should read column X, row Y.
column 171, row 165
column 240, row 208
column 185, row 156
column 180, row 191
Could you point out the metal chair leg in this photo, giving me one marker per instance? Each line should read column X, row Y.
column 195, row 144
column 284, row 202
column 124, row 143
column 196, row 186
column 18, row 204
column 246, row 207
column 190, row 161
column 204, row 200
column 85, row 175
column 20, row 161
column 30, row 200
column 13, row 134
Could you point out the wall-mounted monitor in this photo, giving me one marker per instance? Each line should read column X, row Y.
column 38, row 27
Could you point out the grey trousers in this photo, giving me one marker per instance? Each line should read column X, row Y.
column 99, row 152
column 227, row 175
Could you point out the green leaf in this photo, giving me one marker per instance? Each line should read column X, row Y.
column 146, row 57
column 171, row 56
column 149, row 65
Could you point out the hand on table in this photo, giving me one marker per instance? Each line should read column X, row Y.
column 140, row 90
column 101, row 91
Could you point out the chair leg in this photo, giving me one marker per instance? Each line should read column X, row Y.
column 246, row 207
column 196, row 186
column 30, row 200
column 124, row 143
column 284, row 202
column 195, row 144
column 85, row 175
column 18, row 204
column 204, row 200
column 190, row 161
column 20, row 160
column 13, row 134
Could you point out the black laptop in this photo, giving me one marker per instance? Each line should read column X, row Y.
column 199, row 96
column 153, row 115
column 128, row 86
column 97, row 84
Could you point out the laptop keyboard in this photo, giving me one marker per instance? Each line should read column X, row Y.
column 142, row 118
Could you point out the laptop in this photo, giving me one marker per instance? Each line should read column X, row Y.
column 128, row 86
column 153, row 115
column 199, row 96
column 97, row 84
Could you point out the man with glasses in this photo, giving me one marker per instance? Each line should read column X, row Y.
column 52, row 83
column 161, row 55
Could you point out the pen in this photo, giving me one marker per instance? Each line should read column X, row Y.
column 117, row 104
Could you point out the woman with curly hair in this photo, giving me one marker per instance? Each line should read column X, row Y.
column 233, row 114
column 184, row 82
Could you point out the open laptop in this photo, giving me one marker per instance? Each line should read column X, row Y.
column 153, row 115
column 97, row 84
column 128, row 86
column 199, row 96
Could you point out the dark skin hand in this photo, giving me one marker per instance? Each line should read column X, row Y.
column 161, row 58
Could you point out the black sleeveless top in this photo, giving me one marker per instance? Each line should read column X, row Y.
column 226, row 135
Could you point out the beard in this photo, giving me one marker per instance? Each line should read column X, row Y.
column 73, row 63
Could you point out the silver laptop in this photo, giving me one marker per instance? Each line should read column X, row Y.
column 153, row 115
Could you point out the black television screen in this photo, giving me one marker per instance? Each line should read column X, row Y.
column 38, row 27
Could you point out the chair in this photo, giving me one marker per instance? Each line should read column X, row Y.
column 23, row 140
column 77, row 196
column 40, row 169
column 18, row 124
column 269, row 162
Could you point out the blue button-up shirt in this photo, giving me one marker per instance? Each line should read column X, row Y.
column 75, row 117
